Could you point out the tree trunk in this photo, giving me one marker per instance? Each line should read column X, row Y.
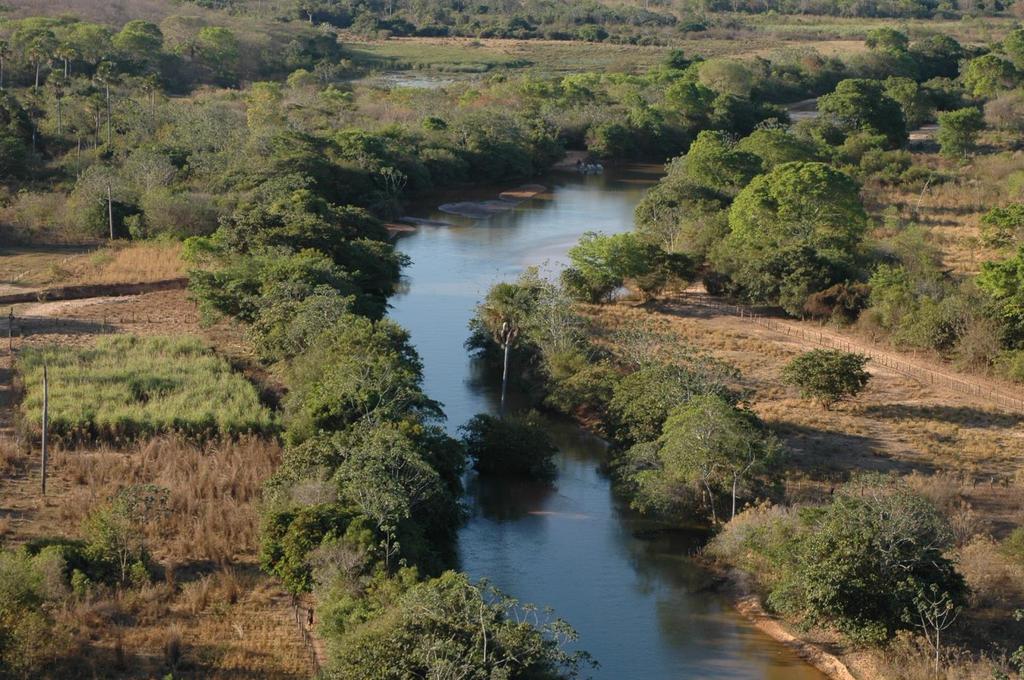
column 66, row 71
column 38, row 66
column 108, row 114
column 504, row 379
column 46, row 418
column 110, row 210
column 734, row 478
column 711, row 502
column 60, row 117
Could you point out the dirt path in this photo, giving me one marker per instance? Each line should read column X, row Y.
column 989, row 392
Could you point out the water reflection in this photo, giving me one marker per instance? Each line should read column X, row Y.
column 643, row 609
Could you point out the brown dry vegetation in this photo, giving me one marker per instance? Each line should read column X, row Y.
column 214, row 614
column 36, row 266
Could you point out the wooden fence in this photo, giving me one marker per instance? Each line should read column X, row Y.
column 929, row 376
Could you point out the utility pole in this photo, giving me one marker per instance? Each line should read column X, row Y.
column 46, row 418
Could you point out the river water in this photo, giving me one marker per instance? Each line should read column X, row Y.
column 641, row 606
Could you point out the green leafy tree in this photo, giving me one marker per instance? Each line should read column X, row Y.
column 827, row 376
column 1003, row 282
column 859, row 104
column 116, row 533
column 775, row 146
column 959, row 130
column 517, row 445
column 219, row 51
column 387, row 479
column 643, row 400
column 715, row 161
column 450, row 627
column 1013, row 46
column 1001, row 227
column 503, row 314
column 793, row 231
column 358, row 371
column 988, row 75
column 912, row 98
column 706, row 442
column 139, row 41
column 888, row 39
column 601, row 264
column 863, row 561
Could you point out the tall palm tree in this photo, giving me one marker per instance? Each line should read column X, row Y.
column 66, row 52
column 504, row 312
column 106, row 76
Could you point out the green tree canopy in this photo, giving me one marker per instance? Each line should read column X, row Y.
column 958, row 131
column 827, row 376
column 793, row 231
column 707, row 444
column 862, row 104
column 988, row 75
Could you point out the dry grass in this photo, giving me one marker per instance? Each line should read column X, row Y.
column 215, row 490
column 214, row 615
column 49, row 265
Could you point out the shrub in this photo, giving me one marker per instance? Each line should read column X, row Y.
column 449, row 622
column 862, row 561
column 126, row 387
column 516, row 445
column 827, row 376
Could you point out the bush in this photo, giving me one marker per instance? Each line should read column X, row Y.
column 861, row 562
column 515, row 445
column 126, row 387
column 827, row 376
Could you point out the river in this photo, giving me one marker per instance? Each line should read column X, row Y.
column 641, row 606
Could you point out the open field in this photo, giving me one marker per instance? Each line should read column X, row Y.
column 29, row 267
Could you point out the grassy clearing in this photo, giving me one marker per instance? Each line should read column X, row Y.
column 450, row 56
column 44, row 265
column 127, row 387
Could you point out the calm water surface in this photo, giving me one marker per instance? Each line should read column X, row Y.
column 641, row 607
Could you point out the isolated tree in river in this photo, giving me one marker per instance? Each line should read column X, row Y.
column 503, row 313
column 827, row 376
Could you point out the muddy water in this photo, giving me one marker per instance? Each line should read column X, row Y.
column 641, row 606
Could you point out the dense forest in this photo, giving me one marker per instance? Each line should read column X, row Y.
column 251, row 140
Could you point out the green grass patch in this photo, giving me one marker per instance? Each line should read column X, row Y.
column 125, row 387
column 445, row 58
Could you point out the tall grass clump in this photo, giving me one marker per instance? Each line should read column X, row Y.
column 125, row 387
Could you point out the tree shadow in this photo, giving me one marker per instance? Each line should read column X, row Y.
column 27, row 327
column 961, row 415
column 830, row 455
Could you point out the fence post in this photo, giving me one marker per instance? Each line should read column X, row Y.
column 46, row 417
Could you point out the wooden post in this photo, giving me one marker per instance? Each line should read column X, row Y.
column 46, row 418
